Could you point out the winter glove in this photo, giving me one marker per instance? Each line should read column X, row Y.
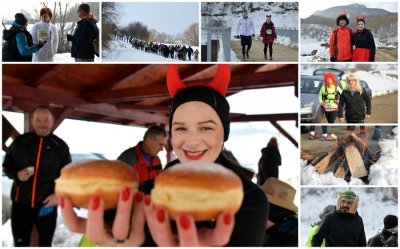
column 322, row 104
column 236, row 37
column 69, row 37
column 275, row 37
column 333, row 58
column 253, row 35
column 40, row 44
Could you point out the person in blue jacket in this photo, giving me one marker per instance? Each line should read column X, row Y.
column 18, row 44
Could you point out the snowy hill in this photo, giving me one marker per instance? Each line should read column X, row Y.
column 374, row 205
column 353, row 10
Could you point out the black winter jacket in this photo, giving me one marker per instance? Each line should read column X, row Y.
column 268, row 164
column 379, row 239
column 354, row 105
column 10, row 48
column 364, row 39
column 82, row 42
column 340, row 229
column 23, row 152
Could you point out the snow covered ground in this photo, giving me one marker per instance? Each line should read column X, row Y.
column 383, row 173
column 374, row 205
column 66, row 58
column 122, row 51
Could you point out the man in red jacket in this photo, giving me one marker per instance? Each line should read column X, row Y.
column 341, row 41
column 143, row 157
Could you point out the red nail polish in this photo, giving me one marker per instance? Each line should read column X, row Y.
column 160, row 215
column 139, row 196
column 184, row 221
column 95, row 202
column 147, row 200
column 125, row 193
column 227, row 219
column 62, row 202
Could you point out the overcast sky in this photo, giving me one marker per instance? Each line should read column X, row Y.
column 308, row 7
column 171, row 18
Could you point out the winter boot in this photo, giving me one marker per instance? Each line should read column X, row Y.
column 377, row 133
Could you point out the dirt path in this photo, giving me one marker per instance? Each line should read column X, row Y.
column 386, row 55
column 384, row 110
column 317, row 147
column 280, row 53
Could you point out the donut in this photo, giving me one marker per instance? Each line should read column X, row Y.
column 81, row 180
column 200, row 189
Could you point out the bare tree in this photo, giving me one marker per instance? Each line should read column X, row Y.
column 110, row 21
column 191, row 34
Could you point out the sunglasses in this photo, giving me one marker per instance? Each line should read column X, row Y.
column 268, row 15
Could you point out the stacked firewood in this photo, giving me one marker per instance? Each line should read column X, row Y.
column 349, row 158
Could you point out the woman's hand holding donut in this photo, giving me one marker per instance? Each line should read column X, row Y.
column 188, row 235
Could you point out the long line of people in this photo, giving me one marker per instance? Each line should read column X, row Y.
column 178, row 52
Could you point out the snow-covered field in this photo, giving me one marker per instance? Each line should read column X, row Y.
column 383, row 173
column 374, row 205
column 122, row 51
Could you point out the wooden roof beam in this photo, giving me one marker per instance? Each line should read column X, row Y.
column 284, row 132
column 234, row 117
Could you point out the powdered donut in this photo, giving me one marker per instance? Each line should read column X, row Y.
column 200, row 189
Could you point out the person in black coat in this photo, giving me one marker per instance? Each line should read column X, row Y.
column 390, row 223
column 344, row 227
column 190, row 52
column 355, row 102
column 34, row 161
column 86, row 32
column 364, row 43
column 199, row 126
column 269, row 162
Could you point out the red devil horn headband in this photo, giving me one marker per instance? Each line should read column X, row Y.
column 219, row 83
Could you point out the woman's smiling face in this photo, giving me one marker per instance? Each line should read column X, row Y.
column 197, row 132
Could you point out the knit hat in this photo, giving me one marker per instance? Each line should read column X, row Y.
column 390, row 221
column 45, row 10
column 21, row 19
column 211, row 94
column 280, row 193
column 85, row 7
column 328, row 209
column 342, row 17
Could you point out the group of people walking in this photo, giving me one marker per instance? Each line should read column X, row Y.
column 347, row 45
column 246, row 31
column 40, row 44
column 177, row 52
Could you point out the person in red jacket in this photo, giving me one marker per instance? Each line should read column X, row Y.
column 269, row 35
column 341, row 40
column 143, row 157
column 364, row 43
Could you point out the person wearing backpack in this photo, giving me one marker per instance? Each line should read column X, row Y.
column 390, row 223
column 328, row 97
column 85, row 35
column 18, row 42
column 341, row 40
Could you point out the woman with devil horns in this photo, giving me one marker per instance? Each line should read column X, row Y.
column 364, row 43
column 201, row 113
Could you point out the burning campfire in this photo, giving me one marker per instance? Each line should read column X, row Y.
column 349, row 158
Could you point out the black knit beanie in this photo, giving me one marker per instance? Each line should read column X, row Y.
column 21, row 19
column 390, row 221
column 206, row 95
column 342, row 17
column 85, row 7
